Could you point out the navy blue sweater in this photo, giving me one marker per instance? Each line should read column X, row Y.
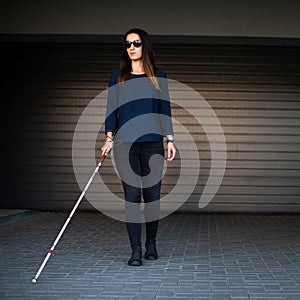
column 136, row 111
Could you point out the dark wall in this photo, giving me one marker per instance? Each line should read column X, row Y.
column 254, row 89
column 266, row 18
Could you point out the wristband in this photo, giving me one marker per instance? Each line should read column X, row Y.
column 109, row 137
column 171, row 141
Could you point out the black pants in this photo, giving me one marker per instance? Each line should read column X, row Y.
column 140, row 187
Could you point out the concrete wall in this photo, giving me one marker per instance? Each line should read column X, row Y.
column 215, row 17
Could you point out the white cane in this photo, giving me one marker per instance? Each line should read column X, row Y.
column 34, row 280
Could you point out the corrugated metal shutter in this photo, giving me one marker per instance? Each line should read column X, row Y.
column 253, row 90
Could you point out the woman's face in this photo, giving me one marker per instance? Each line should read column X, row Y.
column 134, row 53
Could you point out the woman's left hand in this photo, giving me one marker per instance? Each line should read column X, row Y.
column 171, row 151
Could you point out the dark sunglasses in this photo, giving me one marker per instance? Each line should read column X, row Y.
column 135, row 43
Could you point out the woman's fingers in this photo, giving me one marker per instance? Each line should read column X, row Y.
column 171, row 151
column 106, row 148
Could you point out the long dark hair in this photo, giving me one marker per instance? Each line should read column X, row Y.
column 147, row 58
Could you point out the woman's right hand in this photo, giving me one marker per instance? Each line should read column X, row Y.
column 106, row 147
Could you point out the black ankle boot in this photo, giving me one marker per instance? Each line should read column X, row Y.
column 151, row 252
column 136, row 258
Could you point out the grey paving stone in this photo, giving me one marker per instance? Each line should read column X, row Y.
column 202, row 287
column 207, row 256
column 294, row 296
column 220, row 296
column 166, row 293
column 242, row 293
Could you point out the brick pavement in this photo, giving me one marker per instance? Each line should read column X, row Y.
column 206, row 256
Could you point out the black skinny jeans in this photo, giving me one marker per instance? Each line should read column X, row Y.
column 139, row 156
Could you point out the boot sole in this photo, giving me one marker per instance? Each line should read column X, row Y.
column 135, row 264
column 150, row 257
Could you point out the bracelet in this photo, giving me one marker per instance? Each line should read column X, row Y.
column 109, row 137
column 110, row 141
column 171, row 141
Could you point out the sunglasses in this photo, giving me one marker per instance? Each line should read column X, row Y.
column 135, row 43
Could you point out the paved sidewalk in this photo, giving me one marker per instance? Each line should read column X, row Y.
column 207, row 256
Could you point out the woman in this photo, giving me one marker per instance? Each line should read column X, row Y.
column 139, row 79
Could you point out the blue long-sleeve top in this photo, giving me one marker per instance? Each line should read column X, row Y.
column 136, row 111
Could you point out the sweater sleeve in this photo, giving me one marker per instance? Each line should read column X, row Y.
column 165, row 107
column 112, row 109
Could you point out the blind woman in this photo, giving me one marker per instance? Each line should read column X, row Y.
column 138, row 120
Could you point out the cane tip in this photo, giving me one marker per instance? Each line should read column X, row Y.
column 33, row 280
